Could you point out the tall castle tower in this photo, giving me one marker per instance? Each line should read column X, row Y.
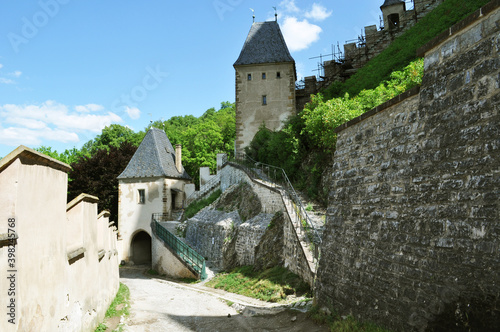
column 265, row 83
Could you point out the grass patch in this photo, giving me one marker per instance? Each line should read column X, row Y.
column 196, row 206
column 340, row 324
column 153, row 272
column 271, row 285
column 118, row 308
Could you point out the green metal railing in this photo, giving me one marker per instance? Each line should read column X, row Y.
column 182, row 250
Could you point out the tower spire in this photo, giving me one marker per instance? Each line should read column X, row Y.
column 253, row 15
column 275, row 15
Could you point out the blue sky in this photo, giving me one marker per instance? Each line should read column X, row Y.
column 70, row 67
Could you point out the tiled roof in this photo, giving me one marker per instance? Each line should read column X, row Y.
column 264, row 44
column 155, row 157
column 391, row 2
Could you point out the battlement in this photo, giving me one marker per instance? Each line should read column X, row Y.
column 397, row 17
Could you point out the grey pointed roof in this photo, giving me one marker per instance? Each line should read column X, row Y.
column 264, row 44
column 391, row 2
column 155, row 157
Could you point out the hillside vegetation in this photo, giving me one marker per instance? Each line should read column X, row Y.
column 305, row 146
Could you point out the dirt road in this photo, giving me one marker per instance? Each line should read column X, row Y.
column 158, row 305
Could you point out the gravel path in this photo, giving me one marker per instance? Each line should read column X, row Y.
column 160, row 305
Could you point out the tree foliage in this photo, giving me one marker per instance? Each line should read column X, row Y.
column 202, row 138
column 96, row 175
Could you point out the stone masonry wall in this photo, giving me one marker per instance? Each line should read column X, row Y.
column 412, row 230
column 292, row 253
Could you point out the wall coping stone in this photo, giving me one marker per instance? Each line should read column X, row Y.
column 37, row 157
column 80, row 198
column 74, row 254
column 454, row 29
column 396, row 100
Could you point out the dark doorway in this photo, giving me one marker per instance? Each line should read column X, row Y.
column 393, row 21
column 174, row 197
column 141, row 248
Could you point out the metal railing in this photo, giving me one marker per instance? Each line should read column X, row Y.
column 205, row 189
column 276, row 177
column 182, row 250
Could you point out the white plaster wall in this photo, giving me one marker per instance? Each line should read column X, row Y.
column 134, row 217
column 164, row 262
column 51, row 294
column 205, row 175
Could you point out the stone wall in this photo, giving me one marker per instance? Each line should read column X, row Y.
column 412, row 232
column 210, row 231
column 270, row 198
column 292, row 251
column 251, row 111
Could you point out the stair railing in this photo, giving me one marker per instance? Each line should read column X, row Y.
column 181, row 249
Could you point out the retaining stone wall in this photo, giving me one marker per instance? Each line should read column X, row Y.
column 413, row 225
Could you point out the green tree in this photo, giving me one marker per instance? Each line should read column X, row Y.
column 112, row 136
column 97, row 175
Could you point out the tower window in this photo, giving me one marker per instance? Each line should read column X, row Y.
column 249, row 77
column 393, row 21
column 278, row 74
column 142, row 196
column 264, row 100
column 263, row 76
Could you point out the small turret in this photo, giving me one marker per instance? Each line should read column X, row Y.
column 393, row 11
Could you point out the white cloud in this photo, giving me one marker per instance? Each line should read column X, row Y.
column 6, row 81
column 299, row 35
column 89, row 108
column 17, row 73
column 318, row 13
column 133, row 112
column 1, row 66
column 32, row 124
column 289, row 6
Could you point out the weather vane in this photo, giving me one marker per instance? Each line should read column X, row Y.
column 275, row 14
column 253, row 14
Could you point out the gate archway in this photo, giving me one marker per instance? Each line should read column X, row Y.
column 140, row 248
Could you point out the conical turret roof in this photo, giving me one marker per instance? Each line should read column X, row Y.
column 155, row 157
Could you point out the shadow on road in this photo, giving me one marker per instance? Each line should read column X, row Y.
column 289, row 320
column 134, row 272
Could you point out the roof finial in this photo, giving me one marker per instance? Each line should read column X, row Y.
column 275, row 15
column 253, row 14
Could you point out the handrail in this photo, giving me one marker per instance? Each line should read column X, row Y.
column 203, row 189
column 301, row 213
column 182, row 250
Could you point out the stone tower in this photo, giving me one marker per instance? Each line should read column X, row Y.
column 265, row 83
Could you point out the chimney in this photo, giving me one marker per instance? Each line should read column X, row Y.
column 178, row 157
